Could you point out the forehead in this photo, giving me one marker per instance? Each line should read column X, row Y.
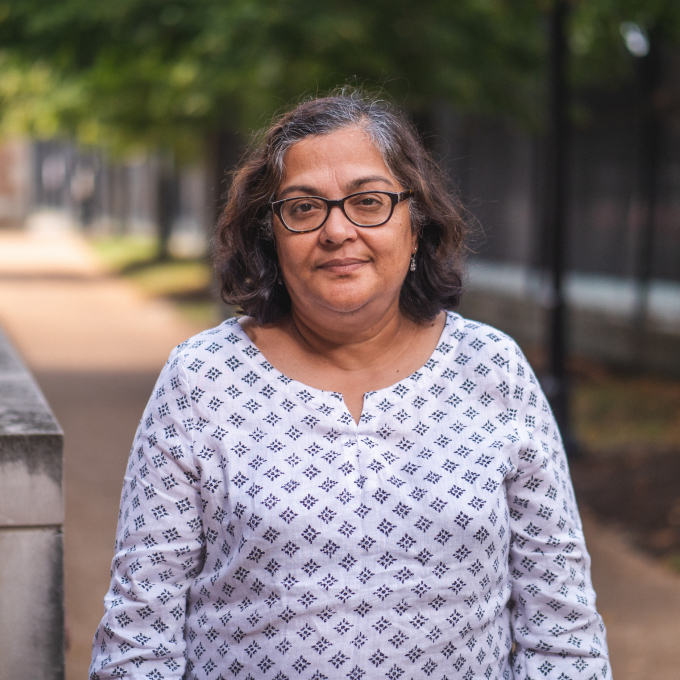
column 339, row 157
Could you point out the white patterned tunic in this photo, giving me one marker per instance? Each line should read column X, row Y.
column 264, row 534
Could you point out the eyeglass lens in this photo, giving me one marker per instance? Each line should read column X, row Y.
column 307, row 213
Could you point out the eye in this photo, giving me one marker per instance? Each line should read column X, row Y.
column 304, row 207
column 368, row 201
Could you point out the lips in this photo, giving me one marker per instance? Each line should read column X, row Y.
column 345, row 265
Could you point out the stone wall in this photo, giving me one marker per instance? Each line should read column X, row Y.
column 31, row 528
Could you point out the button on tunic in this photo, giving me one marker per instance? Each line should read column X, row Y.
column 264, row 534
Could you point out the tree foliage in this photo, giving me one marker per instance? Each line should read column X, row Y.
column 165, row 73
column 160, row 73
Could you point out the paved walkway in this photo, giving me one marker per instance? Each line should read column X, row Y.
column 96, row 345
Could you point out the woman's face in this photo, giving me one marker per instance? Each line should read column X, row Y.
column 342, row 272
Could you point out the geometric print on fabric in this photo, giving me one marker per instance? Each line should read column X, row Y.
column 264, row 534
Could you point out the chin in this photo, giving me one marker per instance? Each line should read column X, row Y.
column 343, row 302
column 346, row 297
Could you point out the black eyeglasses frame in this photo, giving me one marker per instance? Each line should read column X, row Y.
column 395, row 197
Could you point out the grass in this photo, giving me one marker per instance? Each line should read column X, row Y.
column 120, row 252
column 174, row 278
column 619, row 410
column 186, row 283
column 628, row 426
column 674, row 563
column 206, row 314
column 614, row 411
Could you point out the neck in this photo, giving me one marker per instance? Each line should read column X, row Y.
column 353, row 346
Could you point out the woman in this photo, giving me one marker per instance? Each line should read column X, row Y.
column 350, row 479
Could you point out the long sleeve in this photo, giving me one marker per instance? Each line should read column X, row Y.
column 159, row 542
column 557, row 631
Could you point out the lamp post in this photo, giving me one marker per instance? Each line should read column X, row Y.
column 557, row 180
column 645, row 49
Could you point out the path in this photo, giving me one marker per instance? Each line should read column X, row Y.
column 96, row 346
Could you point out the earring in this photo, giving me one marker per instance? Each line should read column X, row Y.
column 413, row 262
column 280, row 281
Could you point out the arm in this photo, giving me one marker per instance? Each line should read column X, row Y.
column 159, row 542
column 557, row 631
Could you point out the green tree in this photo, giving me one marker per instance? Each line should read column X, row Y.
column 161, row 73
column 173, row 73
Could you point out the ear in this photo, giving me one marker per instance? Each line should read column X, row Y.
column 414, row 240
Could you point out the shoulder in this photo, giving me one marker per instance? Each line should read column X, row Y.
column 212, row 345
column 493, row 363
column 482, row 354
column 476, row 337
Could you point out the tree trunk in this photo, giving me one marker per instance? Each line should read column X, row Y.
column 168, row 204
column 225, row 147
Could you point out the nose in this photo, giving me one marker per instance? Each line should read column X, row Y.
column 337, row 228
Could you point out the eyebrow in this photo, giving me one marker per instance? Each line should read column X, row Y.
column 358, row 183
column 354, row 185
column 301, row 189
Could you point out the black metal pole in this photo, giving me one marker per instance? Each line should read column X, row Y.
column 649, row 68
column 557, row 176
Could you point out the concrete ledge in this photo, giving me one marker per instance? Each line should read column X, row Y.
column 31, row 605
column 31, row 520
column 30, row 480
column 23, row 409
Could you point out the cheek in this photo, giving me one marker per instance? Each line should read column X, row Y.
column 293, row 252
column 394, row 250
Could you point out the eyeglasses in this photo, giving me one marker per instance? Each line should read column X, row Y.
column 302, row 214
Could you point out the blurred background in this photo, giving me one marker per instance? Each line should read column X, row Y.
column 559, row 124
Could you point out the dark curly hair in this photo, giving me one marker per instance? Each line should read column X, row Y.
column 244, row 250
